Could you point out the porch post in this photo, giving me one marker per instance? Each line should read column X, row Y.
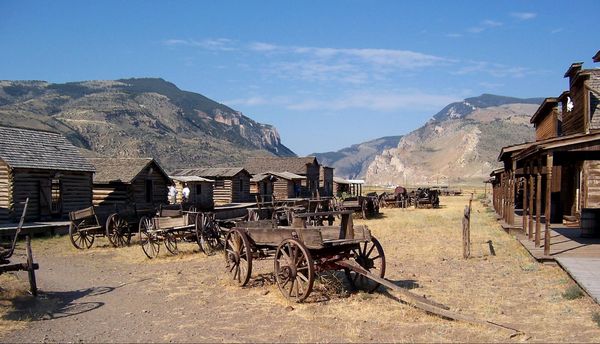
column 538, row 204
column 524, row 202
column 549, row 164
column 530, row 208
column 513, row 193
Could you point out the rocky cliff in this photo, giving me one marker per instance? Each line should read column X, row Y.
column 460, row 144
column 145, row 117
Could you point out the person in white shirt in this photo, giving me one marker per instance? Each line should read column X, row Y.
column 185, row 193
column 173, row 193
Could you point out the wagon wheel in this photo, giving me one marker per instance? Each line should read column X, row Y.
column 370, row 256
column 171, row 243
column 148, row 238
column 201, row 235
column 209, row 236
column 238, row 256
column 294, row 270
column 117, row 231
column 80, row 238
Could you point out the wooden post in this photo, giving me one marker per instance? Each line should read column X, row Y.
column 530, row 207
column 548, row 215
column 513, row 193
column 538, row 204
column 466, row 233
column 524, row 206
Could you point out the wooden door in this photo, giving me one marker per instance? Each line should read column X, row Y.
column 45, row 188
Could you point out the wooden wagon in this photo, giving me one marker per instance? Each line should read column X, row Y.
column 299, row 251
column 173, row 224
column 115, row 223
column 7, row 251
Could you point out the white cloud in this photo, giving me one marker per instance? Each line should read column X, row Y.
column 454, row 35
column 214, row 44
column 484, row 25
column 493, row 69
column 523, row 15
column 376, row 101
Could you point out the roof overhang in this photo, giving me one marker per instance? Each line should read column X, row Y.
column 546, row 107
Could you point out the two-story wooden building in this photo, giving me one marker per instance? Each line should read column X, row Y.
column 307, row 167
column 44, row 167
column 558, row 176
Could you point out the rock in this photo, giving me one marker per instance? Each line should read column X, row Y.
column 289, row 308
column 265, row 292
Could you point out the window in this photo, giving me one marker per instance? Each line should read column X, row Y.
column 55, row 195
column 198, row 189
column 149, row 191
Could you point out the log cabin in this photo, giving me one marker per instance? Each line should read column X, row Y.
column 232, row 184
column 201, row 191
column 284, row 185
column 261, row 187
column 556, row 177
column 140, row 182
column 307, row 167
column 45, row 167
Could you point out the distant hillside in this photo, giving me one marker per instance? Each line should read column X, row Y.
column 459, row 144
column 146, row 117
column 352, row 162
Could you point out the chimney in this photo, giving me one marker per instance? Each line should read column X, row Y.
column 572, row 71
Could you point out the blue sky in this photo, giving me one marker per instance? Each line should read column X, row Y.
column 327, row 74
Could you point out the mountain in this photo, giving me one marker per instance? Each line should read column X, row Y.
column 352, row 162
column 146, row 117
column 460, row 144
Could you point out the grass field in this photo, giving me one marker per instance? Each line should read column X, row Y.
column 423, row 252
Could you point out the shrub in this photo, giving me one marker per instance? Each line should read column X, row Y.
column 573, row 292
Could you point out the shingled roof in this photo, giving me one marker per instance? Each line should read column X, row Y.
column 28, row 148
column 120, row 170
column 209, row 172
column 256, row 165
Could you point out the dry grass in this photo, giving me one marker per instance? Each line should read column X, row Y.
column 423, row 251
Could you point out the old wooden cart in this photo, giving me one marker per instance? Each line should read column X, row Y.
column 300, row 251
column 110, row 221
column 6, row 253
column 172, row 225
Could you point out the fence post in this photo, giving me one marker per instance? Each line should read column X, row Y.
column 466, row 233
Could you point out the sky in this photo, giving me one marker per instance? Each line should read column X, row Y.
column 326, row 74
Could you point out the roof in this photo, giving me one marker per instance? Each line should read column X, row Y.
column 559, row 142
column 287, row 175
column 261, row 164
column 190, row 179
column 339, row 180
column 120, row 170
column 542, row 111
column 574, row 68
column 210, row 172
column 28, row 148
column 260, row 177
column 496, row 171
column 596, row 57
column 514, row 149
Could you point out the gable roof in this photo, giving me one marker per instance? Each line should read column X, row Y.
column 28, row 148
column 262, row 164
column 120, row 170
column 210, row 172
column 191, row 179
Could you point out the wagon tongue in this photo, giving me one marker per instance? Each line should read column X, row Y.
column 420, row 301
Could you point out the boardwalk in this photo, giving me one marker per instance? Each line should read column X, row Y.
column 580, row 257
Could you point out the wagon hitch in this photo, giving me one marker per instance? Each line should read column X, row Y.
column 422, row 302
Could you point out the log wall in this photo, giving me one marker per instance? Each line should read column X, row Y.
column 5, row 191
column 76, row 192
column 591, row 184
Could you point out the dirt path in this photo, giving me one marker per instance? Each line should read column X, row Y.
column 117, row 295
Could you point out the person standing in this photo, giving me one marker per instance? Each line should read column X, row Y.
column 185, row 193
column 173, row 193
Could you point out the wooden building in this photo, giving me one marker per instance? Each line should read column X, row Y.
column 261, row 187
column 232, row 184
column 307, row 167
column 201, row 191
column 281, row 185
column 352, row 187
column 129, row 181
column 326, row 181
column 45, row 167
column 558, row 176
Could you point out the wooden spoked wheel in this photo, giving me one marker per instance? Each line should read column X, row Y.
column 170, row 240
column 148, row 238
column 80, row 238
column 238, row 256
column 370, row 256
column 117, row 231
column 294, row 270
column 208, row 234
